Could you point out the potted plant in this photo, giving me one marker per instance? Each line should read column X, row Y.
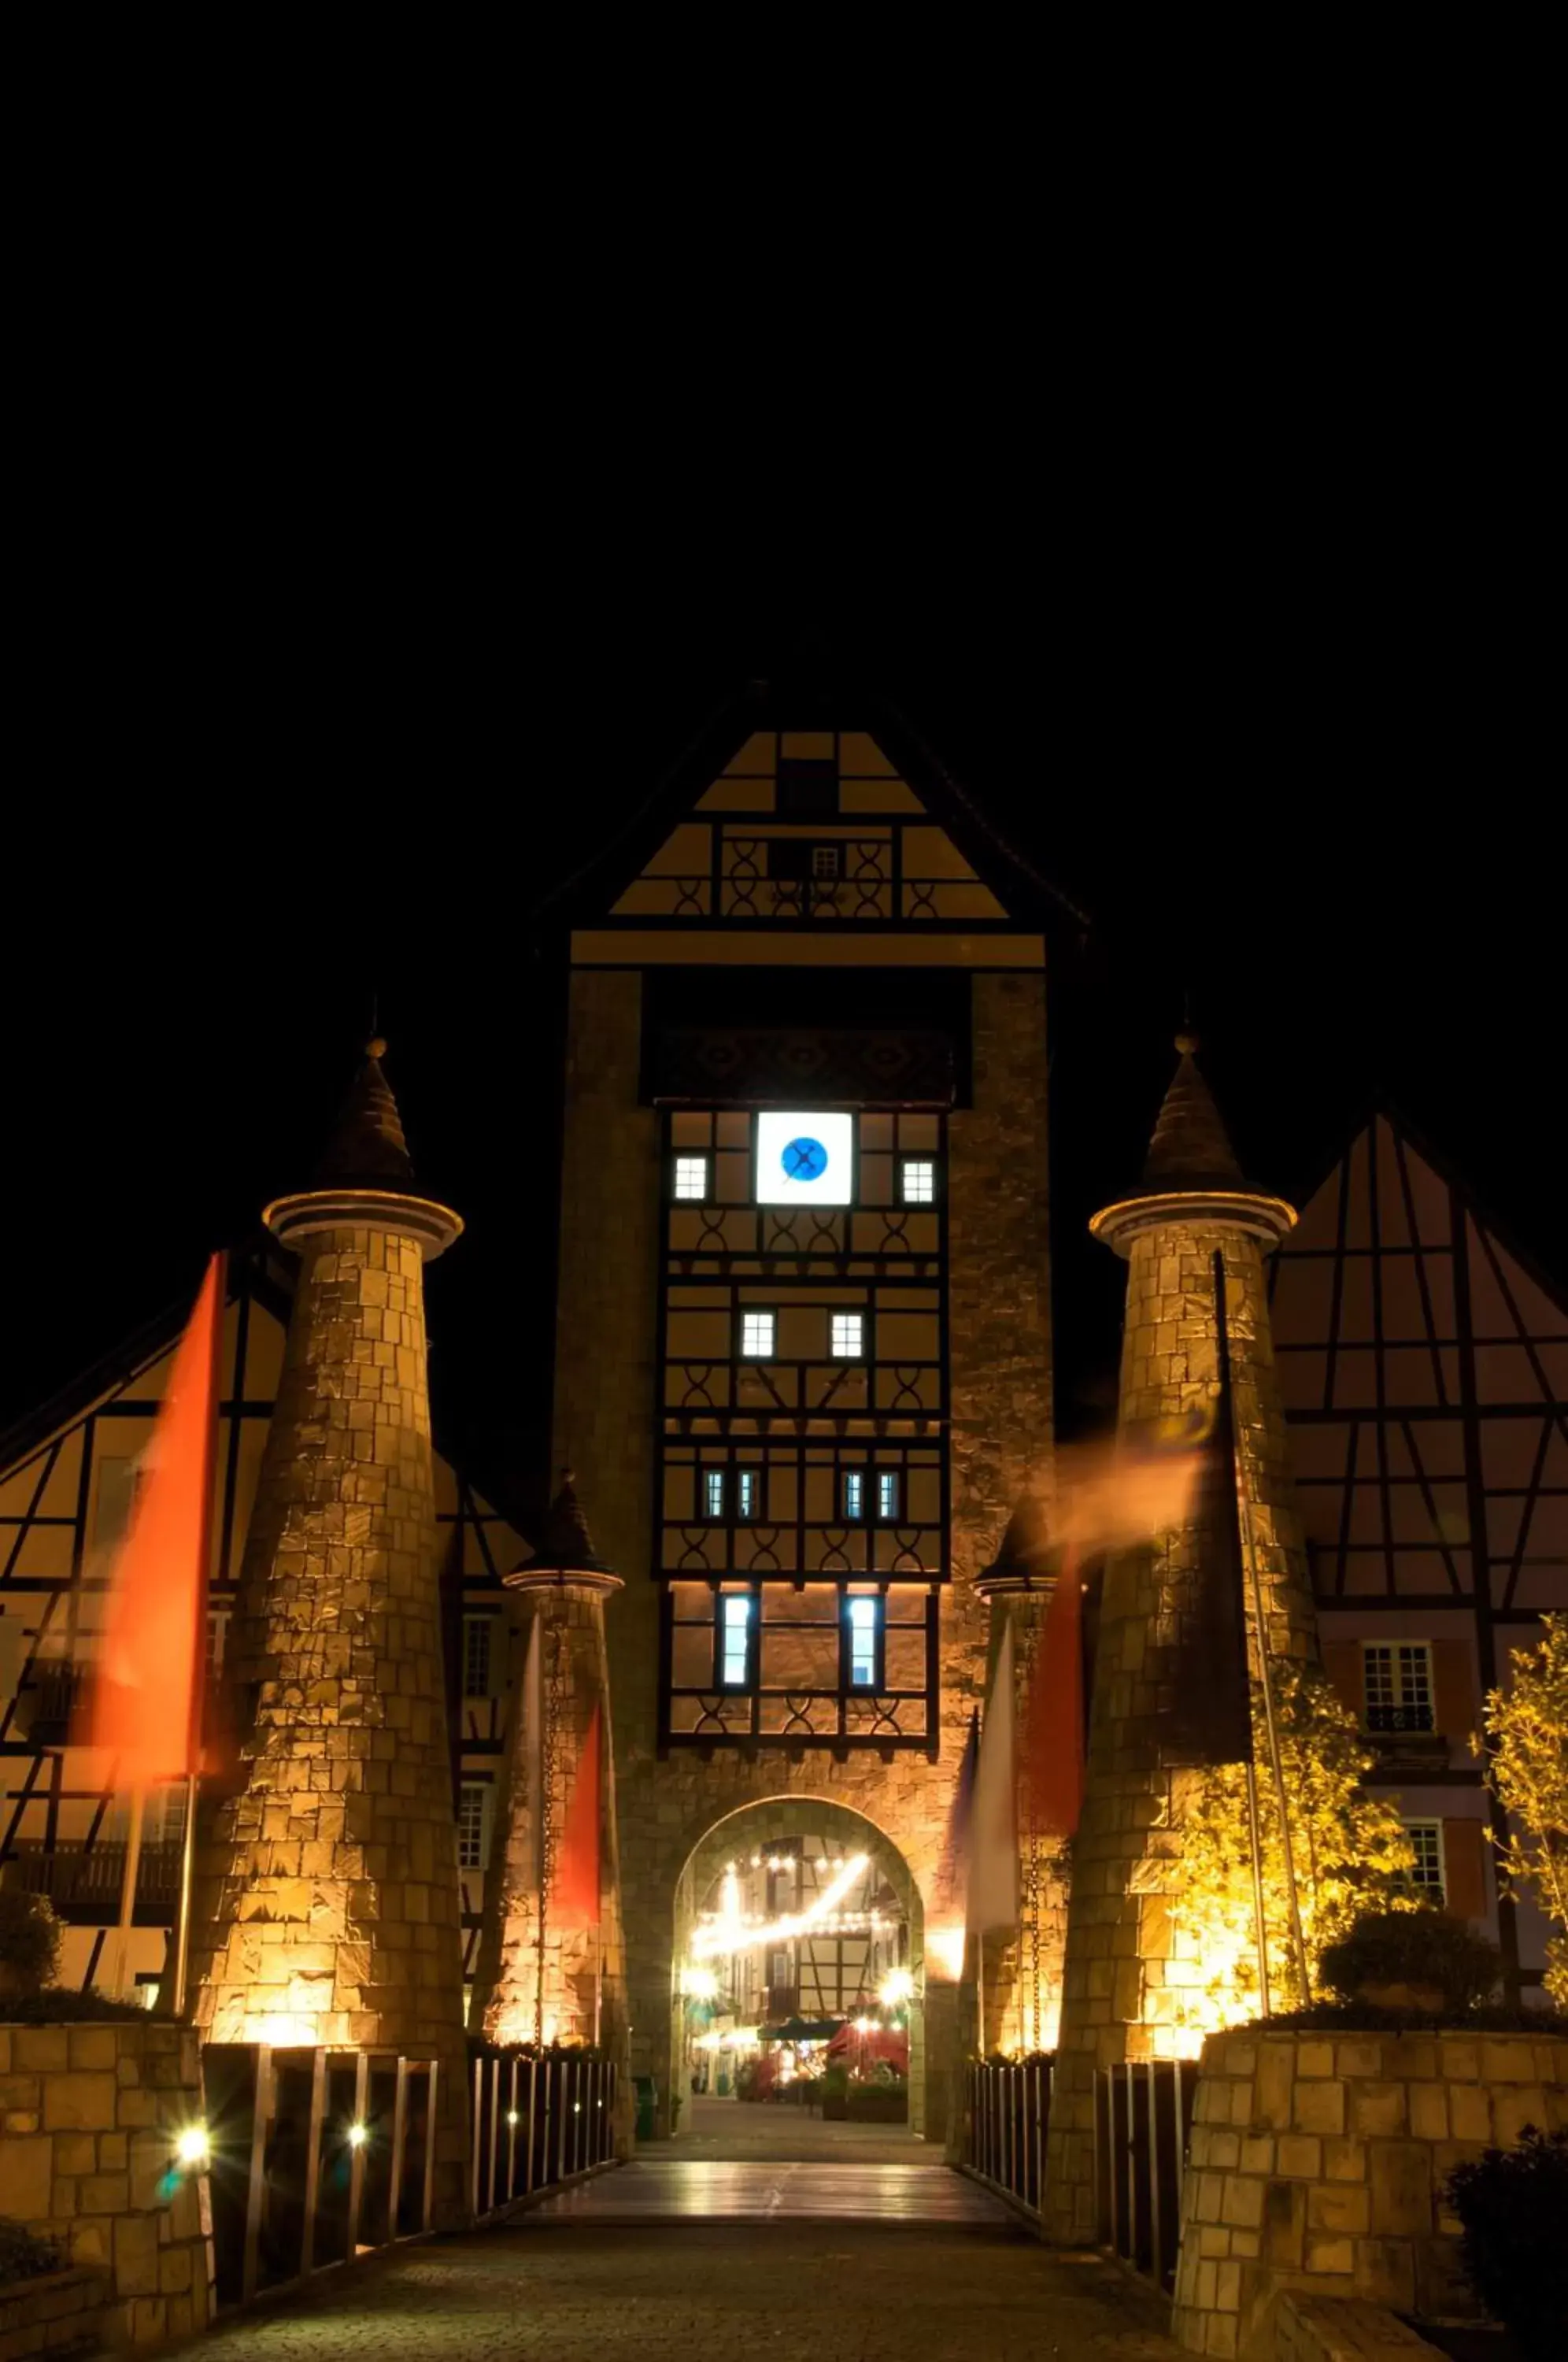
column 835, row 2093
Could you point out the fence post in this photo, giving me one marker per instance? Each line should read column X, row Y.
column 399, row 2137
column 1156, row 2226
column 356, row 2155
column 261, row 2115
column 430, row 2097
column 312, row 2162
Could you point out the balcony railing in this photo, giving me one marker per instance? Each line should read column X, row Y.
column 83, row 1882
column 1399, row 1717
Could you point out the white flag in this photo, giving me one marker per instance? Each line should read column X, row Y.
column 993, row 1841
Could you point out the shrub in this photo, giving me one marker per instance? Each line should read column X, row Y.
column 62, row 2005
column 1416, row 1950
column 1513, row 2204
column 29, row 1943
column 23, row 2254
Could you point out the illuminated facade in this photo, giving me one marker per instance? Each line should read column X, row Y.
column 802, row 1363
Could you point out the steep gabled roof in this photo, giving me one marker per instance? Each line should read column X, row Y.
column 1190, row 1148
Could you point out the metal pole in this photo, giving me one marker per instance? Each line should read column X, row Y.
column 1258, row 1922
column 127, row 1894
column 183, row 1924
column 1249, row 1553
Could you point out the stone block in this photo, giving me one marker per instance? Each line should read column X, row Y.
column 79, row 2102
column 136, row 2255
column 1242, row 2201
column 1385, row 2273
column 1327, row 2254
column 104, row 2193
column 1320, row 2107
column 1274, row 2085
column 27, row 2178
column 95, row 2048
column 1400, row 2176
column 1469, row 2113
column 1507, row 2058
column 40, row 2049
column 1362, row 2058
column 1300, row 2156
column 1514, row 2106
column 1345, row 2160
column 174, row 2270
column 1341, row 2206
column 1429, row 2111
column 1257, row 2153
column 1315, row 2058
column 1377, row 2109
column 1284, row 2223
column 75, row 2152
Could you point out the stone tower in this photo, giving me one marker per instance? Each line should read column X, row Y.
column 543, row 1975
column 328, row 1907
column 1123, row 1975
column 802, row 1355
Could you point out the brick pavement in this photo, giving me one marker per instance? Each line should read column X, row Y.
column 790, row 2291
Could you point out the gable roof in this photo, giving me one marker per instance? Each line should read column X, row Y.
column 808, row 707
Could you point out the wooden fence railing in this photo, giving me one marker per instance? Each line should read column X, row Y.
column 1143, row 2115
column 1009, row 2108
column 322, row 2156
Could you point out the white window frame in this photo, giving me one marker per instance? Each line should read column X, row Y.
column 690, row 1179
column 852, row 1495
column 748, row 1494
column 847, row 1331
column 1397, row 1669
column 484, row 1790
column 713, row 1493
column 863, row 1614
column 756, row 1325
column 735, row 1617
column 216, row 1641
column 917, row 1180
column 1420, row 1824
column 470, row 1625
column 889, row 1492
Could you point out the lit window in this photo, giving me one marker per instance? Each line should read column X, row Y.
column 1399, row 1685
column 217, row 1640
column 745, row 1494
column 691, row 1176
column 735, row 1640
column 887, row 1493
column 853, row 1493
column 477, row 1636
column 756, row 1336
column 919, row 1180
column 473, row 1824
column 169, row 1823
column 848, row 1336
column 1427, row 1877
column 713, row 1492
column 863, row 1618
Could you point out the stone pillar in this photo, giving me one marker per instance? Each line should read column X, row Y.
column 1124, row 1970
column 327, row 1909
column 556, row 1982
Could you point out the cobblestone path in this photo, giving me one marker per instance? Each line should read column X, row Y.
column 783, row 2289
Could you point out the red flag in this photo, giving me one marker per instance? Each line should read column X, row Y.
column 146, row 1700
column 575, row 1902
column 1053, row 1738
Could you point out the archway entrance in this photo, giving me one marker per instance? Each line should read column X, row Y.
column 798, row 1987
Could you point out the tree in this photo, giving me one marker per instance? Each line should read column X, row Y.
column 1351, row 1851
column 1527, row 1770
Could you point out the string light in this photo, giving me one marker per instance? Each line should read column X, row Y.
column 730, row 1932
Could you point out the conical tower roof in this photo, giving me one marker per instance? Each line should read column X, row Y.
column 1025, row 1555
column 367, row 1150
column 564, row 1546
column 1191, row 1148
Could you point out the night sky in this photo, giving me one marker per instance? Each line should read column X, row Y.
column 1331, row 827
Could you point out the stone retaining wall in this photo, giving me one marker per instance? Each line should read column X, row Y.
column 1342, row 2329
column 1317, row 2163
column 60, row 2316
column 89, row 2115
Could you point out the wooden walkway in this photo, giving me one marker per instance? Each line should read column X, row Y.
column 704, row 2191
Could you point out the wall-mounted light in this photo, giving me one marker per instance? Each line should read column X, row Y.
column 192, row 2149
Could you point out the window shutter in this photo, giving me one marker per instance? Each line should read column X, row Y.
column 1453, row 1690
column 1464, row 1871
column 1341, row 1662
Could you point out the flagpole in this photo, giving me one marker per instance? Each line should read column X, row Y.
column 187, row 1870
column 1261, row 1625
column 127, row 1892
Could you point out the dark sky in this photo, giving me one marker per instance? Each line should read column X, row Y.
column 1325, row 807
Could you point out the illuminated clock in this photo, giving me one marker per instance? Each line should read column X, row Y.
column 804, row 1159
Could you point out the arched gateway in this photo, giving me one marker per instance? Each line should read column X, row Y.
column 835, row 1919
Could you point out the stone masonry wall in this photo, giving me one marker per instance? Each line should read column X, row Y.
column 1318, row 2162
column 1125, row 1966
column 605, row 1395
column 88, row 2115
column 328, row 1907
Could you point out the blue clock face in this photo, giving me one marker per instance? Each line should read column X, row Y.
column 804, row 1159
